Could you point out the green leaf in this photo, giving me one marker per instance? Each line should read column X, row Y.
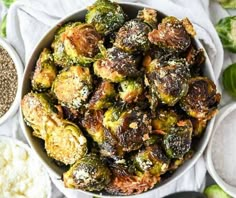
column 3, row 26
column 215, row 191
column 228, row 4
column 8, row 3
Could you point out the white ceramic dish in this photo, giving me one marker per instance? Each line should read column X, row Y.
column 36, row 144
column 224, row 112
column 32, row 156
column 19, row 69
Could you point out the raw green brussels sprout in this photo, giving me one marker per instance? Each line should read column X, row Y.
column 130, row 127
column 66, row 143
column 226, row 29
column 228, row 4
column 103, row 96
column 45, row 71
column 229, row 79
column 201, row 100
column 88, row 173
column 133, row 36
column 130, row 90
column 8, row 3
column 215, row 191
column 3, row 27
column 105, row 16
column 73, row 86
column 76, row 43
column 177, row 141
column 152, row 159
column 148, row 16
column 116, row 66
column 37, row 110
column 172, row 34
column 169, row 83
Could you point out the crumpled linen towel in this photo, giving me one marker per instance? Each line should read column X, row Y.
column 28, row 20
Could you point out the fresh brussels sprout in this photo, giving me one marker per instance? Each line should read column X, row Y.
column 152, row 159
column 37, row 110
column 148, row 16
column 103, row 97
column 75, row 43
column 229, row 79
column 130, row 90
column 130, row 127
column 201, row 100
column 226, row 29
column 88, row 173
column 133, row 36
column 169, row 83
column 66, row 143
column 228, row 4
column 178, row 141
column 116, row 66
column 45, row 71
column 73, row 86
column 105, row 16
column 198, row 126
column 215, row 191
column 172, row 34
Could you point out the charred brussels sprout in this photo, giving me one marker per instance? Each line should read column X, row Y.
column 130, row 90
column 178, row 141
column 226, row 29
column 66, row 143
column 75, row 43
column 198, row 126
column 201, row 100
column 103, row 96
column 73, row 86
column 148, row 16
column 116, row 66
column 45, row 71
column 88, row 173
column 105, row 16
column 152, row 159
column 172, row 34
column 130, row 127
column 133, row 36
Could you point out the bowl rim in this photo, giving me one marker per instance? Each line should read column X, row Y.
column 19, row 70
column 171, row 179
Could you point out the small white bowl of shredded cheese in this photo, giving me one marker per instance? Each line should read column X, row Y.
column 21, row 174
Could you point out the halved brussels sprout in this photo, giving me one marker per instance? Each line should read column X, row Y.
column 148, row 16
column 130, row 127
column 88, row 173
column 116, row 66
column 73, row 86
column 103, row 97
column 152, row 159
column 133, row 36
column 105, row 16
column 75, row 43
column 178, row 141
column 130, row 90
column 45, row 71
column 201, row 100
column 172, row 34
column 66, row 143
column 198, row 126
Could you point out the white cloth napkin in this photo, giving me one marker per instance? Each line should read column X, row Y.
column 28, row 20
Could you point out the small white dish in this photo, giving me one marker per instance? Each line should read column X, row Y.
column 19, row 69
column 224, row 112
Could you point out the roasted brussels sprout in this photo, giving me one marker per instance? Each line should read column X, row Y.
column 116, row 66
column 148, row 16
column 198, row 126
column 133, row 36
column 172, row 34
column 75, row 43
column 88, row 173
column 103, row 97
column 130, row 127
column 37, row 110
column 105, row 16
column 66, row 143
column 177, row 141
column 201, row 100
column 73, row 86
column 169, row 83
column 130, row 90
column 226, row 31
column 45, row 71
column 152, row 159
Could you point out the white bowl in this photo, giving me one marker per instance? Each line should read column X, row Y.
column 36, row 144
column 224, row 112
column 19, row 69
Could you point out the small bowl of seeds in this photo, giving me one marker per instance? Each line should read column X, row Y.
column 11, row 71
